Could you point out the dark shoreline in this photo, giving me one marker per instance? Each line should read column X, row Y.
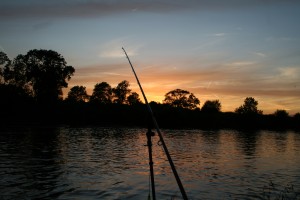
column 115, row 115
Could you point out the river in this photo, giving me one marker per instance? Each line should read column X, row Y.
column 112, row 163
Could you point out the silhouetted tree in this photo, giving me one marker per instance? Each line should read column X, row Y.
column 12, row 96
column 211, row 106
column 13, row 99
column 296, row 118
column 43, row 72
column 102, row 93
column 120, row 92
column 133, row 99
column 249, row 107
column 77, row 94
column 15, row 74
column 193, row 102
column 281, row 114
column 181, row 99
column 4, row 63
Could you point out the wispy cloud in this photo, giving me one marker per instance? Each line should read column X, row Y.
column 284, row 39
column 113, row 74
column 2, row 49
column 289, row 72
column 260, row 54
column 241, row 63
column 112, row 49
column 219, row 34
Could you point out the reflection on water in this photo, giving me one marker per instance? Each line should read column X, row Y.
column 110, row 163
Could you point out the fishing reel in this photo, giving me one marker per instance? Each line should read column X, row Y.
column 150, row 133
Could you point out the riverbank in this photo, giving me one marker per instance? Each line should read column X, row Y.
column 136, row 116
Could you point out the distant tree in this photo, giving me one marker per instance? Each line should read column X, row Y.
column 181, row 99
column 297, row 117
column 102, row 93
column 77, row 94
column 249, row 107
column 281, row 114
column 12, row 94
column 192, row 102
column 43, row 72
column 211, row 106
column 4, row 63
column 15, row 74
column 133, row 99
column 121, row 92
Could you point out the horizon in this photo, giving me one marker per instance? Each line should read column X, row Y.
column 216, row 50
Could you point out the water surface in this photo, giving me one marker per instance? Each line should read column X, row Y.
column 112, row 163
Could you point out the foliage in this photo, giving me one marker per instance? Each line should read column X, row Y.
column 181, row 99
column 42, row 72
column 102, row 93
column 15, row 74
column 211, row 106
column 249, row 107
column 77, row 94
column 133, row 99
column 281, row 114
column 4, row 63
column 120, row 92
column 192, row 102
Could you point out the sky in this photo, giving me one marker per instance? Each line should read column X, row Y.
column 217, row 49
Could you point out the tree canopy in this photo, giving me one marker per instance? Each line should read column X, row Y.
column 281, row 114
column 43, row 73
column 249, row 107
column 121, row 92
column 77, row 94
column 211, row 106
column 133, row 99
column 4, row 63
column 181, row 99
column 102, row 93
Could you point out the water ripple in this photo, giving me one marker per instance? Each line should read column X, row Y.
column 112, row 163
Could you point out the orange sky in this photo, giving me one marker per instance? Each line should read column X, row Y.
column 208, row 83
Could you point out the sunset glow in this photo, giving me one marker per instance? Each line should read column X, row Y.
column 216, row 50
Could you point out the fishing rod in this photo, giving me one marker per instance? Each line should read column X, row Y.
column 183, row 193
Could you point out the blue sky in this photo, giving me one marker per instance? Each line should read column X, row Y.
column 217, row 49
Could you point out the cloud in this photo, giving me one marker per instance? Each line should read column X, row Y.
column 219, row 34
column 112, row 74
column 241, row 63
column 113, row 52
column 2, row 49
column 113, row 48
column 260, row 54
column 289, row 72
column 91, row 8
column 214, row 78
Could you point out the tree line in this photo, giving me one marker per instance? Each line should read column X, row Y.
column 31, row 92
